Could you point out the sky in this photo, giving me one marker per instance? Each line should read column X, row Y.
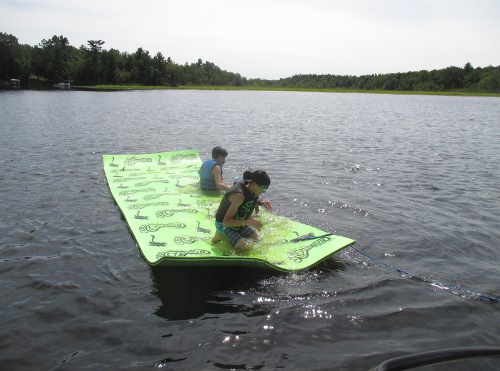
column 272, row 39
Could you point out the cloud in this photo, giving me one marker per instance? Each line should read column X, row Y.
column 275, row 38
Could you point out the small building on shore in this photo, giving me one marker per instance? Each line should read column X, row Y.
column 10, row 84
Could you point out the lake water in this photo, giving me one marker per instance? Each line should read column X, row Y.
column 413, row 179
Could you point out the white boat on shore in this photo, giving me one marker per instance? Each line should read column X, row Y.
column 66, row 84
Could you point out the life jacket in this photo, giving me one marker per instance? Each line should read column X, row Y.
column 207, row 180
column 246, row 208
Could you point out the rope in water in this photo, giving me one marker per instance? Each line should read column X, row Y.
column 411, row 361
column 435, row 282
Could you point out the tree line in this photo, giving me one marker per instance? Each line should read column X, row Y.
column 54, row 60
column 467, row 79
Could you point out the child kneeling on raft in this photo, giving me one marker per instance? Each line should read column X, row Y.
column 233, row 218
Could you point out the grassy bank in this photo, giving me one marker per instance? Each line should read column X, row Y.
column 321, row 90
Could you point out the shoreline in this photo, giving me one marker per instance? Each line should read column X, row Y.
column 252, row 88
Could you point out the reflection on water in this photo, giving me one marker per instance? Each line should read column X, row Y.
column 193, row 292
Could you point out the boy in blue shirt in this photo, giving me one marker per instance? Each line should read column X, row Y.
column 211, row 171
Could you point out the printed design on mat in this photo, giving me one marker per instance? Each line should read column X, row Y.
column 202, row 230
column 203, row 203
column 191, row 169
column 185, row 240
column 182, row 204
column 184, row 176
column 302, row 253
column 118, row 172
column 112, row 163
column 142, row 206
column 122, row 180
column 182, row 253
column 179, row 185
column 179, row 158
column 155, row 227
column 142, row 184
column 134, row 191
column 158, row 195
column 154, row 243
column 303, row 236
column 160, row 162
column 140, row 217
column 169, row 213
column 131, row 161
column 147, row 172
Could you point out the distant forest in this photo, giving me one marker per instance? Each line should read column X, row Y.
column 55, row 60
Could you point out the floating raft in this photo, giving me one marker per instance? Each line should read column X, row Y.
column 172, row 220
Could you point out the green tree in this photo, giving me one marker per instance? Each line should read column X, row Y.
column 159, row 70
column 490, row 81
column 10, row 55
column 471, row 76
column 141, row 70
column 451, row 78
column 174, row 73
column 54, row 59
column 113, row 66
column 468, row 68
column 92, row 70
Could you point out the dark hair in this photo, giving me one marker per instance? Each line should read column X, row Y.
column 218, row 151
column 258, row 176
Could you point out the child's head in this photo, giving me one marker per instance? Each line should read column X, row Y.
column 247, row 174
column 258, row 176
column 218, row 152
